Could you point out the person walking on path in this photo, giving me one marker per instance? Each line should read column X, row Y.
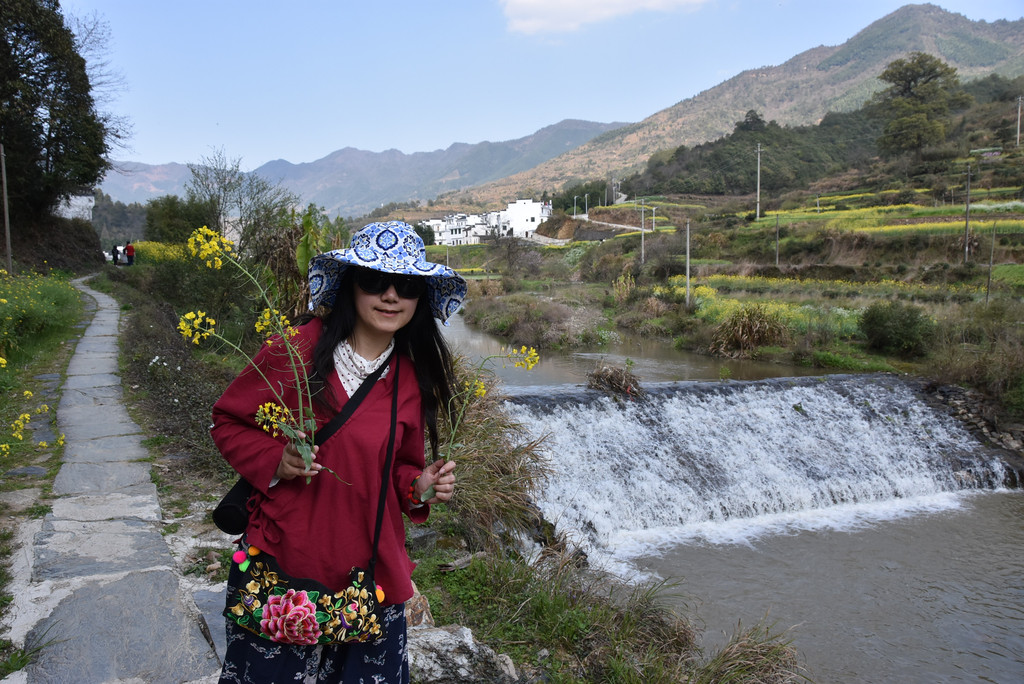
column 129, row 251
column 374, row 309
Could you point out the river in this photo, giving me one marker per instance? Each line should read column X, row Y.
column 826, row 508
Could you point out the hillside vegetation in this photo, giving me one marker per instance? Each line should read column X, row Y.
column 800, row 92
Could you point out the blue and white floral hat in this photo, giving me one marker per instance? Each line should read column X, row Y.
column 391, row 247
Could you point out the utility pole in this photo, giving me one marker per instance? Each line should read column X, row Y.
column 991, row 259
column 757, row 215
column 967, row 217
column 7, row 221
column 1019, row 98
column 654, row 216
column 687, row 263
column 642, row 257
column 776, row 240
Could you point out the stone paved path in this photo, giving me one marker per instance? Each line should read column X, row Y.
column 94, row 580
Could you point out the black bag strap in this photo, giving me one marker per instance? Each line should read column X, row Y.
column 335, row 423
column 386, row 474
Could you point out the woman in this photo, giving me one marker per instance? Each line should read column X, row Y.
column 382, row 296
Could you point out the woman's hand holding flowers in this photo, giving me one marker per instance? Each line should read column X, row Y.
column 293, row 464
column 436, row 483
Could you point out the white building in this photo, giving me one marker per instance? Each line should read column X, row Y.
column 457, row 229
column 520, row 219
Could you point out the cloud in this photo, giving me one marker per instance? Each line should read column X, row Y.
column 544, row 16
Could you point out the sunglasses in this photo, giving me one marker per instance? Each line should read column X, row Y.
column 377, row 282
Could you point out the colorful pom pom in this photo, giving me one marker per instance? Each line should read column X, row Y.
column 380, row 594
column 243, row 566
column 238, row 556
column 253, row 551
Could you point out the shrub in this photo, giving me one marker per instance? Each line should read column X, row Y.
column 897, row 328
column 751, row 326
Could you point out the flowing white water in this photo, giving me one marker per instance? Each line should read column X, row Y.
column 843, row 509
column 728, row 462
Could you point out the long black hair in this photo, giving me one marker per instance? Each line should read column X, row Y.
column 420, row 339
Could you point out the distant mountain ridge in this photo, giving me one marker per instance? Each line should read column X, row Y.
column 351, row 182
column 800, row 91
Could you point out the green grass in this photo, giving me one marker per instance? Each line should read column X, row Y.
column 1011, row 274
column 39, row 317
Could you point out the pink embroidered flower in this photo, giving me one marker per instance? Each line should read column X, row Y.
column 290, row 619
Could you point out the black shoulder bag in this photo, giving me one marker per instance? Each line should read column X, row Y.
column 232, row 513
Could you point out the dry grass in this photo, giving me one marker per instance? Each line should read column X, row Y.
column 499, row 465
column 615, row 380
column 751, row 327
column 753, row 656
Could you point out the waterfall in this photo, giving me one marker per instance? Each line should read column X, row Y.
column 718, row 459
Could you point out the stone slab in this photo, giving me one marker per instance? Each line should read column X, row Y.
column 93, row 363
column 92, row 478
column 94, row 380
column 99, row 396
column 140, row 503
column 118, row 449
column 90, row 422
column 18, row 500
column 210, row 604
column 69, row 548
column 92, row 344
column 132, row 629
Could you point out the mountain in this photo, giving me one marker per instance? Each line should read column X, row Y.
column 351, row 182
column 136, row 182
column 800, row 91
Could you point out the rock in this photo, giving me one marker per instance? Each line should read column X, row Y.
column 417, row 610
column 450, row 655
column 20, row 499
column 420, row 540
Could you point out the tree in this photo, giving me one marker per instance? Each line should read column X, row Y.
column 247, row 207
column 116, row 221
column 922, row 91
column 171, row 219
column 751, row 122
column 92, row 40
column 54, row 140
column 426, row 233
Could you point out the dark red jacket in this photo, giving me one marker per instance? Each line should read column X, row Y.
column 323, row 529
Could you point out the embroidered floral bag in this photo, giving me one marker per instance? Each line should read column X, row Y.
column 271, row 604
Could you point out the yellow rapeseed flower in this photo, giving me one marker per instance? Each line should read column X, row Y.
column 271, row 416
column 523, row 357
column 478, row 388
column 273, row 322
column 210, row 246
column 196, row 326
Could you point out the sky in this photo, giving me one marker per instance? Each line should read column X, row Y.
column 262, row 80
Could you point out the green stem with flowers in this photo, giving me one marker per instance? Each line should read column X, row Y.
column 522, row 358
column 298, row 425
